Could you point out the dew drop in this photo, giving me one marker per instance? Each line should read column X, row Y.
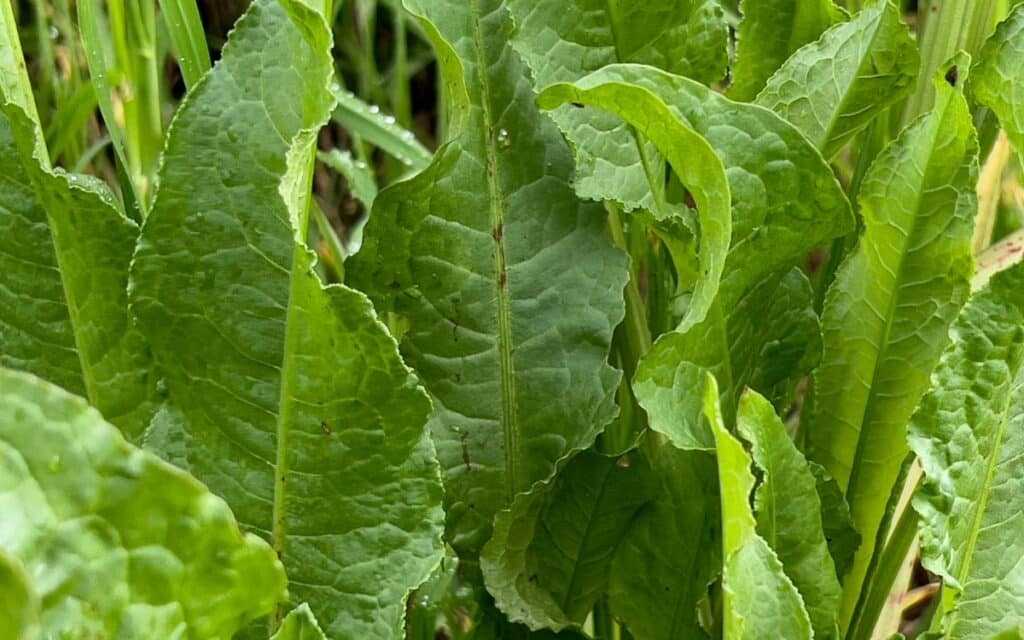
column 54, row 34
column 389, row 120
column 504, row 139
column 374, row 109
column 335, row 87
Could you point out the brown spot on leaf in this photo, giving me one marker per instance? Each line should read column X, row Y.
column 326, row 428
column 952, row 76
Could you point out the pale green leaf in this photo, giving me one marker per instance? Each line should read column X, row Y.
column 64, row 255
column 548, row 561
column 887, row 314
column 969, row 435
column 789, row 512
column 509, row 284
column 671, row 553
column 998, row 78
column 833, row 87
column 118, row 543
column 770, row 32
column 289, row 398
column 564, row 41
column 759, row 600
column 299, row 624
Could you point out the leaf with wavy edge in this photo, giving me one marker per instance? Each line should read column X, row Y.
column 888, row 312
column 623, row 90
column 789, row 511
column 997, row 79
column 292, row 401
column 968, row 433
column 772, row 170
column 770, row 32
column 548, row 561
column 565, row 41
column 117, row 542
column 64, row 253
column 758, row 599
column 509, row 284
column 833, row 87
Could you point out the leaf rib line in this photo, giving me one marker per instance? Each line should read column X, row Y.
column 509, row 421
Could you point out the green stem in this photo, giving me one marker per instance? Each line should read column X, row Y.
column 947, row 26
column 883, row 578
column 636, row 343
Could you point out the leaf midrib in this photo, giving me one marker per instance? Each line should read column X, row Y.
column 990, row 472
column 509, row 418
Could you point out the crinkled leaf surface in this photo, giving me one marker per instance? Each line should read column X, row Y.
column 292, row 401
column 118, row 543
column 671, row 552
column 833, row 87
column 64, row 254
column 789, row 513
column 997, row 79
column 565, row 41
column 509, row 284
column 969, row 435
column 551, row 553
column 759, row 600
column 770, row 32
column 888, row 312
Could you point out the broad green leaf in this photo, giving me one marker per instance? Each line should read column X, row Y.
column 669, row 556
column 291, row 401
column 789, row 512
column 785, row 202
column 623, row 90
column 759, row 600
column 549, row 558
column 19, row 603
column 64, row 255
column 997, row 79
column 116, row 542
column 887, row 314
column 299, row 624
column 379, row 129
column 771, row 336
column 565, row 41
column 832, row 88
column 968, row 433
column 842, row 536
column 509, row 284
column 770, row 32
